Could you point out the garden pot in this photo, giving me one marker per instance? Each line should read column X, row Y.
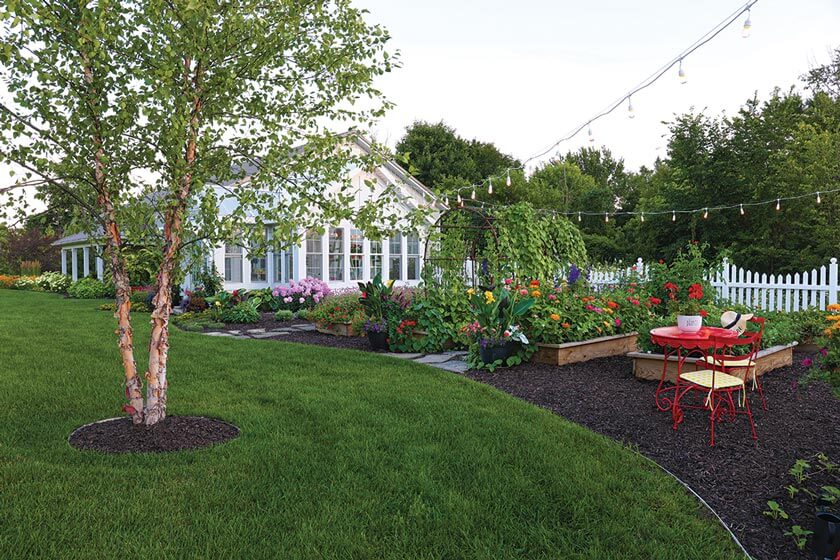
column 504, row 351
column 689, row 323
column 378, row 340
column 826, row 533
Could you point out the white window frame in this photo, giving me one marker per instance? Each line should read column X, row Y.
column 376, row 255
column 412, row 257
column 234, row 252
column 314, row 265
column 396, row 256
column 357, row 272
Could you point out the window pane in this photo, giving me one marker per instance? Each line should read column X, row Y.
column 290, row 269
column 336, row 256
column 313, row 265
column 357, row 257
column 336, row 240
column 233, row 269
column 258, row 269
column 396, row 244
column 278, row 266
column 313, row 242
column 413, row 268
column 375, row 246
column 412, row 243
column 395, row 270
column 375, row 265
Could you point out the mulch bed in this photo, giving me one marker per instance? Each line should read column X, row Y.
column 331, row 340
column 174, row 433
column 267, row 321
column 738, row 475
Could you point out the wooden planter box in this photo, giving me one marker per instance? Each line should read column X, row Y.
column 338, row 329
column 649, row 366
column 571, row 352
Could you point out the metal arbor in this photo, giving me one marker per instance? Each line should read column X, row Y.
column 462, row 247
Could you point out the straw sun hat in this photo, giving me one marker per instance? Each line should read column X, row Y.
column 735, row 321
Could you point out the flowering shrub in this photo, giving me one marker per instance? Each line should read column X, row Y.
column 54, row 282
column 25, row 283
column 7, row 281
column 682, row 284
column 304, row 294
column 87, row 288
column 340, row 308
column 826, row 364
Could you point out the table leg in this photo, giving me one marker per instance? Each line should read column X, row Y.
column 664, row 403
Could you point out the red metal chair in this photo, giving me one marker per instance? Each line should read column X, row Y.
column 718, row 385
column 746, row 363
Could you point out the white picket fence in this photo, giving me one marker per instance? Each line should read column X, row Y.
column 791, row 292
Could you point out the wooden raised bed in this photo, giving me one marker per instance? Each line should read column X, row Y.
column 649, row 366
column 571, row 352
column 338, row 329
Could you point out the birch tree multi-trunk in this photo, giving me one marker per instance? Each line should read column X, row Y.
column 191, row 93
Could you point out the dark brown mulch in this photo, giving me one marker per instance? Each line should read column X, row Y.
column 738, row 475
column 267, row 321
column 174, row 433
column 333, row 341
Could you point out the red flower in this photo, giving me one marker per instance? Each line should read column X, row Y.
column 695, row 291
column 654, row 300
column 704, row 313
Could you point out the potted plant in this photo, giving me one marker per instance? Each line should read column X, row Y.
column 688, row 308
column 375, row 298
column 496, row 327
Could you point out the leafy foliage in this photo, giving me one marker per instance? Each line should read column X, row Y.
column 243, row 312
column 284, row 315
column 340, row 308
column 54, row 282
column 87, row 288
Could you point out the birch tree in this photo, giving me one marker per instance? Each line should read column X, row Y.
column 242, row 93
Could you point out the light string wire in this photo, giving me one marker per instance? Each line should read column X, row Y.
column 644, row 84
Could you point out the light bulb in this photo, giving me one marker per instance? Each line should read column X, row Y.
column 459, row 199
column 472, row 196
column 591, row 138
column 630, row 112
column 819, row 200
column 705, row 213
column 606, row 217
column 673, row 216
column 643, row 218
column 489, row 186
column 579, row 218
column 681, row 74
column 446, row 201
column 742, row 209
column 507, row 181
column 747, row 29
column 778, row 204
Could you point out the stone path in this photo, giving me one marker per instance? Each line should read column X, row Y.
column 451, row 360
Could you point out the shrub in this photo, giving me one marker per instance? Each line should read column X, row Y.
column 24, row 283
column 197, row 304
column 8, row 281
column 54, row 282
column 138, row 296
column 243, row 312
column 87, row 288
column 284, row 315
column 302, row 314
column 344, row 308
column 192, row 327
column 108, row 307
column 305, row 294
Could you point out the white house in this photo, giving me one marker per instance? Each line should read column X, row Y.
column 341, row 255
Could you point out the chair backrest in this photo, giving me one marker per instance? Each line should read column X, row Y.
column 760, row 321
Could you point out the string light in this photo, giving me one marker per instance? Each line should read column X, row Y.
column 747, row 29
column 490, row 186
column 742, row 209
column 507, row 181
column 705, row 213
column 446, row 201
column 606, row 217
column 579, row 218
column 630, row 112
column 643, row 217
column 681, row 74
column 778, row 204
column 674, row 216
column 460, row 202
column 819, row 200
column 591, row 138
column 472, row 196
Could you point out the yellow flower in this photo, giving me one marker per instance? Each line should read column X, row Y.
column 390, row 283
column 555, row 317
column 833, row 317
column 470, row 292
column 607, row 324
column 536, row 293
column 488, row 297
column 608, row 310
column 833, row 307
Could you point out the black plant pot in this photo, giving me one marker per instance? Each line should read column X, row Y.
column 378, row 340
column 826, row 532
column 491, row 354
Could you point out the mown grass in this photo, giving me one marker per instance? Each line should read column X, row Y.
column 342, row 454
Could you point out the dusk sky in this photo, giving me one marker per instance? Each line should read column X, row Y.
column 522, row 74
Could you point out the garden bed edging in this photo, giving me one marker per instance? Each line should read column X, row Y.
column 337, row 329
column 581, row 351
column 649, row 366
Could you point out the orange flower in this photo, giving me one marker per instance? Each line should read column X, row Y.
column 833, row 307
column 535, row 283
column 555, row 317
column 565, row 325
column 612, row 305
column 536, row 293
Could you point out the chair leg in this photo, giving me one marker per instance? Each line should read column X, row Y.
column 760, row 388
column 712, row 412
column 749, row 415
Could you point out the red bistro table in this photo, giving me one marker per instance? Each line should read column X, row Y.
column 683, row 344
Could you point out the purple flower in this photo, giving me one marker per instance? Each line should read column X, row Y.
column 807, row 362
column 574, row 275
column 823, row 352
column 376, row 326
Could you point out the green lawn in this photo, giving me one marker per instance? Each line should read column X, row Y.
column 343, row 454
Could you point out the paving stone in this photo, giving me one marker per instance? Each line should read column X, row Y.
column 456, row 366
column 434, row 359
column 252, row 331
column 234, row 332
column 268, row 334
column 215, row 333
column 456, row 353
column 308, row 327
column 402, row 355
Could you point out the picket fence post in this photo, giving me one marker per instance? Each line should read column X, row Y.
column 833, row 284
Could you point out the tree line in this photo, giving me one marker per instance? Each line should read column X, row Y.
column 784, row 146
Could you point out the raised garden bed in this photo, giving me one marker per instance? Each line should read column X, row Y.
column 649, row 366
column 337, row 329
column 571, row 352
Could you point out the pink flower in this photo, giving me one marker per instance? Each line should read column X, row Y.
column 551, row 297
column 301, row 300
column 590, row 307
column 523, row 292
column 807, row 362
column 508, row 281
column 823, row 352
column 287, row 299
column 617, row 322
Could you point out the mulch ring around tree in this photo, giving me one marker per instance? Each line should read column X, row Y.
column 736, row 477
column 174, row 433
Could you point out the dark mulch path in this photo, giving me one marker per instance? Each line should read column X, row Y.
column 737, row 476
column 175, row 433
column 267, row 321
column 321, row 339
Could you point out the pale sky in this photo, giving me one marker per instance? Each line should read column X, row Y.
column 522, row 74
